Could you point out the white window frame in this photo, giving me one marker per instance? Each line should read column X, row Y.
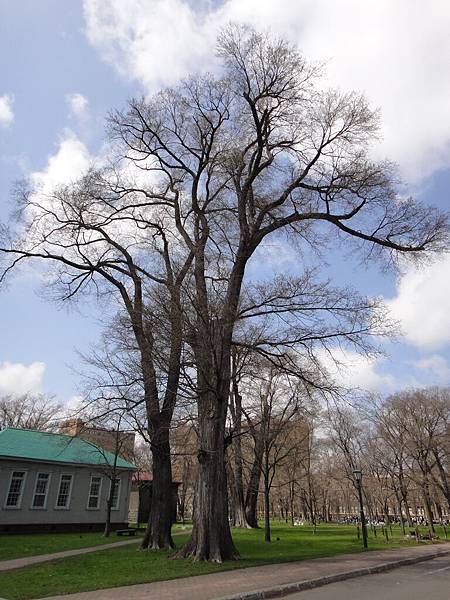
column 44, row 506
column 119, row 479
column 69, row 495
column 99, row 497
column 24, row 479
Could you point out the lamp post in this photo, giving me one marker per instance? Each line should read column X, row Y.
column 358, row 478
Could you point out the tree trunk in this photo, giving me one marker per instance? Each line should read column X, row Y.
column 211, row 536
column 107, row 529
column 212, row 341
column 235, row 463
column 266, row 501
column 445, row 486
column 237, row 500
column 158, row 533
column 400, row 511
column 427, row 505
column 407, row 509
column 112, row 479
column 291, row 502
column 251, row 500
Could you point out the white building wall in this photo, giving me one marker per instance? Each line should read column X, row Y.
column 77, row 511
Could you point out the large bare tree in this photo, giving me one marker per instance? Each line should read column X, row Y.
column 256, row 152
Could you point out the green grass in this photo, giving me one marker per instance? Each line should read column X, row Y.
column 127, row 565
column 19, row 546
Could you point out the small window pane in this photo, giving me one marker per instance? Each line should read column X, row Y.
column 15, row 488
column 115, row 494
column 94, row 492
column 64, row 491
column 40, row 493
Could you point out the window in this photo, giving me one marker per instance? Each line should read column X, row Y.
column 115, row 494
column 40, row 490
column 65, row 487
column 15, row 492
column 94, row 492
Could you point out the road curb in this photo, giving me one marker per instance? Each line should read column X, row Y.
column 280, row 591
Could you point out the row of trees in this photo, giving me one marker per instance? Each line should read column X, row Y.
column 296, row 461
column 201, row 176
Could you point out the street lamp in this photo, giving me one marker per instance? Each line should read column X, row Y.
column 358, row 478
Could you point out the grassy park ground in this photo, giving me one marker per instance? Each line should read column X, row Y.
column 127, row 565
column 19, row 546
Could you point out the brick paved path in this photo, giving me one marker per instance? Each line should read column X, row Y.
column 217, row 585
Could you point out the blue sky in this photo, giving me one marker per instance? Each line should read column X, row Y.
column 63, row 65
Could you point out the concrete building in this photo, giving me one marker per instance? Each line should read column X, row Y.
column 54, row 482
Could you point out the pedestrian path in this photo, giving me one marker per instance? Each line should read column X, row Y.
column 251, row 582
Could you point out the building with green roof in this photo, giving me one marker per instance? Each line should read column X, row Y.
column 56, row 482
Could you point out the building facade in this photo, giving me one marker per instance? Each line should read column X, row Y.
column 141, row 498
column 53, row 482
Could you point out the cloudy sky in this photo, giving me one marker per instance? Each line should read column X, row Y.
column 63, row 65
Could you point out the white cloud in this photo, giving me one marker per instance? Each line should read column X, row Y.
column 17, row 378
column 78, row 106
column 353, row 370
column 396, row 52
column 6, row 111
column 437, row 366
column 154, row 42
column 73, row 405
column 71, row 159
column 421, row 304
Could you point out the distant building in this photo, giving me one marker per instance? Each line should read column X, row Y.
column 141, row 498
column 55, row 482
column 108, row 439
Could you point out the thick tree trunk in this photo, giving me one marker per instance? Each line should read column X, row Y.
column 158, row 533
column 211, row 536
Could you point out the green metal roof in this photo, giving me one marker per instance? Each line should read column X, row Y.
column 41, row 446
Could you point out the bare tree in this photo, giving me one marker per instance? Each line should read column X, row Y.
column 273, row 420
column 423, row 418
column 30, row 411
column 257, row 152
column 100, row 235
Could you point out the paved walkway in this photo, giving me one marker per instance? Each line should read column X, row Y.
column 232, row 584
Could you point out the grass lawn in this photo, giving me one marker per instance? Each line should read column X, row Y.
column 18, row 546
column 127, row 565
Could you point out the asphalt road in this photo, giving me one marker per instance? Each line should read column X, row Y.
column 429, row 580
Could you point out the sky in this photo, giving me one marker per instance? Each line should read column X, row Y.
column 64, row 65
